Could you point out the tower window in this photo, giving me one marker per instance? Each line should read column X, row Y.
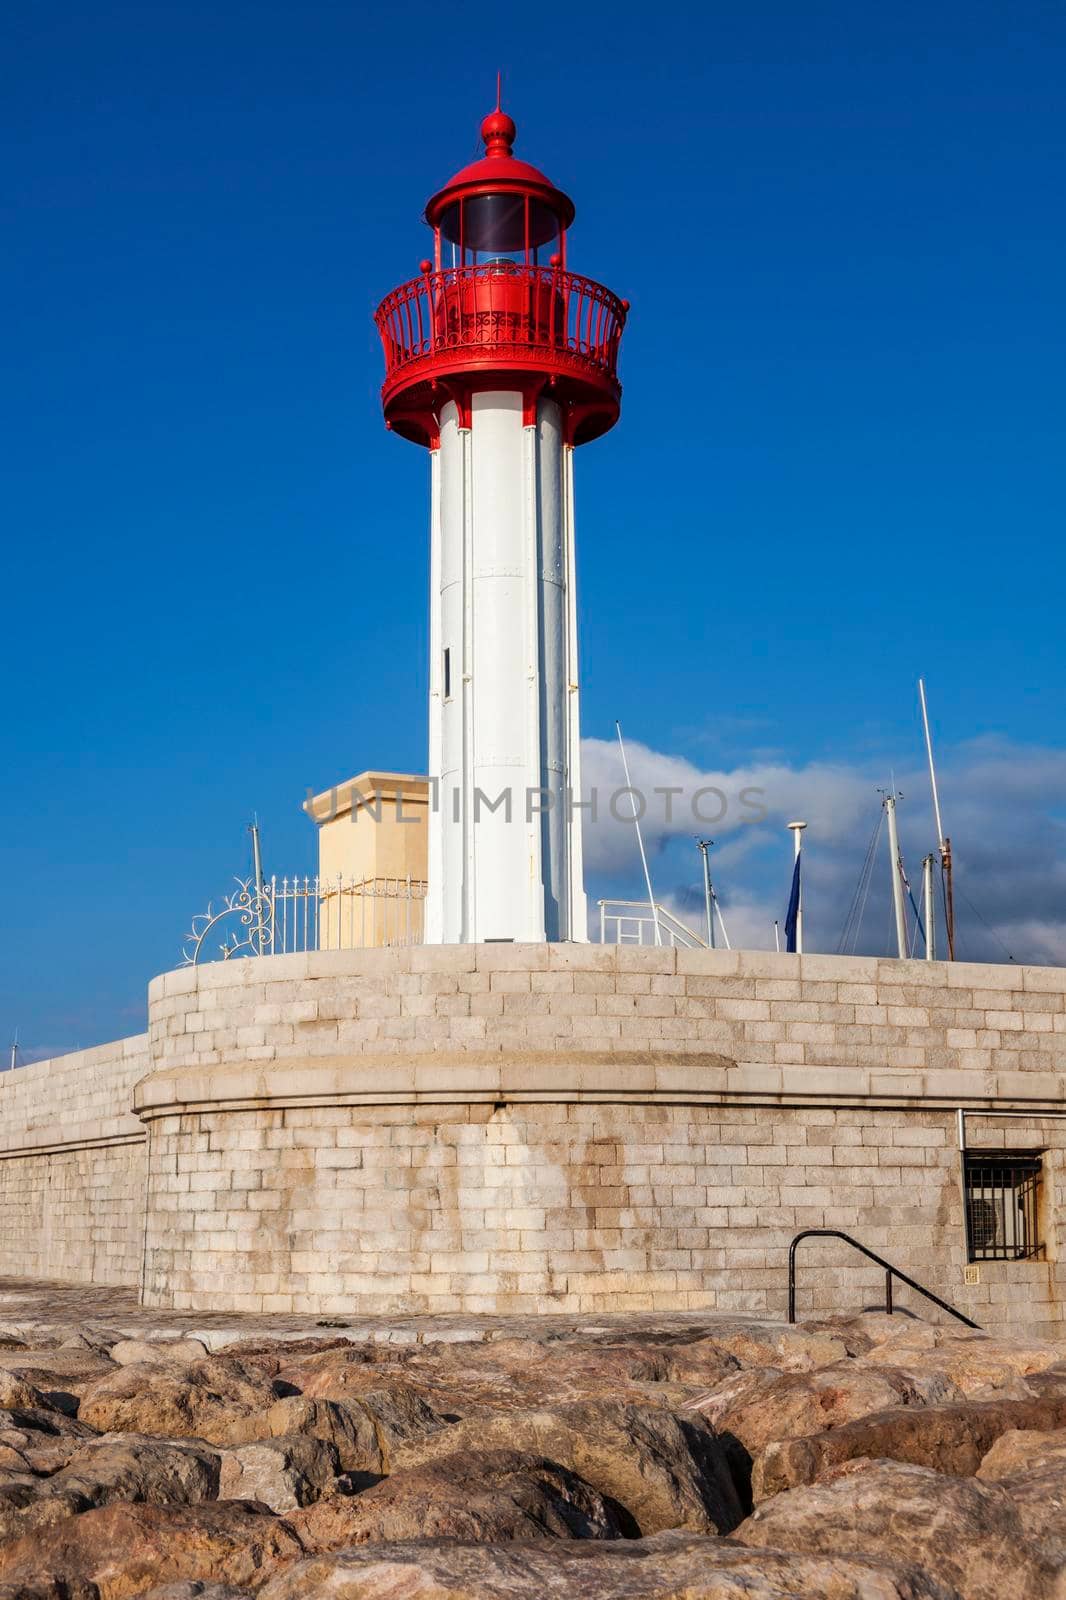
column 447, row 674
column 1002, row 1189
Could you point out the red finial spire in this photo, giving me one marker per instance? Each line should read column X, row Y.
column 497, row 130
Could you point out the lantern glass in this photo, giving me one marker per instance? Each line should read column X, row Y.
column 486, row 228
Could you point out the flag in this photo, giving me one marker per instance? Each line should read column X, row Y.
column 792, row 914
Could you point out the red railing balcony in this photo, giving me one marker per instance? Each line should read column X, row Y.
column 501, row 317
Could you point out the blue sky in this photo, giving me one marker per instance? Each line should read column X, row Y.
column 839, row 462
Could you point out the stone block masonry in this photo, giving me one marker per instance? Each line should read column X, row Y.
column 72, row 1166
column 578, row 1128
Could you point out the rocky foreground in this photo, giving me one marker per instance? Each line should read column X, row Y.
column 871, row 1458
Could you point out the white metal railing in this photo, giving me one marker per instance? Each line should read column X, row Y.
column 632, row 922
column 345, row 914
column 282, row 916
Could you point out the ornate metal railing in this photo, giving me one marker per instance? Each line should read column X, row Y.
column 631, row 922
column 498, row 306
column 282, row 916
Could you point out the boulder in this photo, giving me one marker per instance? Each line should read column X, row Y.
column 951, row 1439
column 400, row 1415
column 282, row 1473
column 669, row 1567
column 198, row 1401
column 123, row 1550
column 61, row 1376
column 365, row 1431
column 36, row 1451
column 791, row 1349
column 786, row 1405
column 46, row 1422
column 180, row 1352
column 16, row 1394
column 974, row 1362
column 1023, row 1451
column 91, row 1336
column 132, row 1467
column 488, row 1497
column 666, row 1471
column 966, row 1535
column 1038, row 1495
column 506, row 1374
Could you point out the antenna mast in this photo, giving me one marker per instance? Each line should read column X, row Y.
column 640, row 839
column 943, row 844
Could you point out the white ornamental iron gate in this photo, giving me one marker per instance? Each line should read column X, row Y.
column 282, row 916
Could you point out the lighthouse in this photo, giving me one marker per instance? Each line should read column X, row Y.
column 501, row 361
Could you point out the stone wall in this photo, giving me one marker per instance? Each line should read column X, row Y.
column 577, row 1128
column 72, row 1166
column 580, row 1128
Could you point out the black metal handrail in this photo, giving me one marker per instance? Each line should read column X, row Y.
column 890, row 1273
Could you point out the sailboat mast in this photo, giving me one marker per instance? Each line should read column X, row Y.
column 930, row 919
column 640, row 839
column 943, row 844
column 704, row 845
column 897, row 877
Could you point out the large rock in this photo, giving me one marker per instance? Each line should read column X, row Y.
column 512, row 1374
column 61, row 1376
column 758, row 1408
column 135, row 1468
column 16, row 1393
column 951, row 1439
column 45, row 1421
column 1039, row 1498
column 365, row 1431
column 282, row 1473
column 198, row 1401
column 666, row 1471
column 1023, row 1451
column 21, row 1509
column 965, row 1534
column 157, row 1352
column 123, row 1550
column 488, row 1497
column 346, row 1426
column 791, row 1349
column 31, row 1450
column 976, row 1363
column 670, row 1567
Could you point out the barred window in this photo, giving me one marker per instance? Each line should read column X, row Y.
column 1002, row 1190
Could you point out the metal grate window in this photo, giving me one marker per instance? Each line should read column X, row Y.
column 1002, row 1190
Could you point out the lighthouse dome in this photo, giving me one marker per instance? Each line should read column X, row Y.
column 498, row 172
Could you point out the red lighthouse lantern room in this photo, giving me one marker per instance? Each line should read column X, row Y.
column 497, row 305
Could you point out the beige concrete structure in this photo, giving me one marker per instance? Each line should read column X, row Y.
column 373, row 826
column 504, row 1127
column 372, row 841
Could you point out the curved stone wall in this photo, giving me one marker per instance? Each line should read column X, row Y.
column 581, row 1128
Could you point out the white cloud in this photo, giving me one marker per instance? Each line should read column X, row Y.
column 1003, row 804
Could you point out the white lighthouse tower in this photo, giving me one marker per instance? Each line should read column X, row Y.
column 501, row 361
